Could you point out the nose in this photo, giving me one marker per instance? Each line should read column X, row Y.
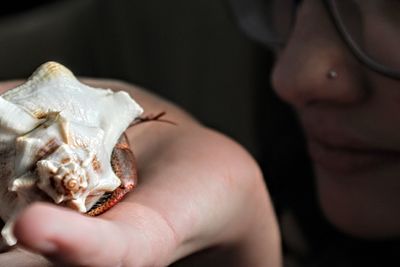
column 316, row 67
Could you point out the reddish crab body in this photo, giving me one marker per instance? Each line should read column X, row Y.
column 124, row 165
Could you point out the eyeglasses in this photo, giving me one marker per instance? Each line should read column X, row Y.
column 370, row 28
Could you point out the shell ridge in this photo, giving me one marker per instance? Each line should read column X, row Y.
column 8, row 124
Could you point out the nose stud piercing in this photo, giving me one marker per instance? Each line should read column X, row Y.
column 332, row 74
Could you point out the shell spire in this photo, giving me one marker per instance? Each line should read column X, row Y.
column 51, row 69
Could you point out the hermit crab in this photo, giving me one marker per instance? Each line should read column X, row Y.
column 63, row 141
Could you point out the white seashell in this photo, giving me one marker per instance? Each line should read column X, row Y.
column 56, row 140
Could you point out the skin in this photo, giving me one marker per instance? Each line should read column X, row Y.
column 350, row 124
column 194, row 184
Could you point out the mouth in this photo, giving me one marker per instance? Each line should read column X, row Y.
column 343, row 155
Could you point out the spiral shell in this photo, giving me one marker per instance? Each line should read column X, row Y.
column 56, row 140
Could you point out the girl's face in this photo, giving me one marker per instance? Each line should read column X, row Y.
column 351, row 122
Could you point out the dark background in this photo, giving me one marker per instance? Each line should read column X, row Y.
column 190, row 52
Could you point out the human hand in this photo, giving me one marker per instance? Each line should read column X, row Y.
column 197, row 189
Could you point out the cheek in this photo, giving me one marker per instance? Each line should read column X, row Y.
column 396, row 101
column 379, row 117
column 386, row 93
column 362, row 205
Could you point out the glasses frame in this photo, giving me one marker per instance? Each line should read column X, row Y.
column 257, row 31
column 362, row 57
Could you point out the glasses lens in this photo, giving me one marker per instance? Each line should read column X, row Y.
column 265, row 21
column 374, row 27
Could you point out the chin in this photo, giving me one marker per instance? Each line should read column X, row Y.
column 351, row 225
column 353, row 210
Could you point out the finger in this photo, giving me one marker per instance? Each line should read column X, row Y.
column 6, row 85
column 70, row 237
column 135, row 236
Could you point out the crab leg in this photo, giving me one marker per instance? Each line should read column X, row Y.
column 124, row 166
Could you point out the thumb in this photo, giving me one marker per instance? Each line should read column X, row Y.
column 72, row 238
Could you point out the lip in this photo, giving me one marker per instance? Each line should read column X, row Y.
column 343, row 154
column 348, row 160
